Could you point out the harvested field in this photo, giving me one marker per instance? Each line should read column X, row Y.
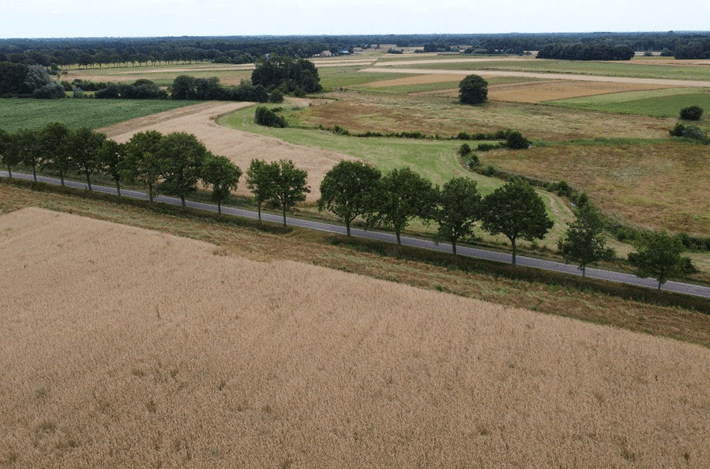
column 538, row 92
column 240, row 147
column 415, row 80
column 130, row 348
column 660, row 82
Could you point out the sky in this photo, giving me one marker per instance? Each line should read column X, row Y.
column 151, row 18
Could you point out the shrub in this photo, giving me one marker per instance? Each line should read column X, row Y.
column 276, row 97
column 473, row 161
column 677, row 130
column 562, row 188
column 268, row 118
column 694, row 132
column 516, row 141
column 691, row 113
column 463, row 136
column 464, row 149
column 489, row 170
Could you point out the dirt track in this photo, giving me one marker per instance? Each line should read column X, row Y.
column 240, row 147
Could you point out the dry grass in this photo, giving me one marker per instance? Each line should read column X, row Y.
column 240, row 147
column 538, row 92
column 652, row 185
column 129, row 348
column 415, row 80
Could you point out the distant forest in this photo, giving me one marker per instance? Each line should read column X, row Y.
column 99, row 52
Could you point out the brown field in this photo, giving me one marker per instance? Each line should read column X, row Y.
column 130, row 348
column 538, row 92
column 544, row 76
column 653, row 185
column 416, row 80
column 240, row 147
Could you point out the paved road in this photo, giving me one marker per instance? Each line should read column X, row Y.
column 390, row 238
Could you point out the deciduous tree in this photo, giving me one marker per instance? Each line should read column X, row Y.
column 658, row 255
column 112, row 157
column 473, row 90
column 401, row 195
column 55, row 140
column 142, row 160
column 261, row 180
column 85, row 145
column 180, row 157
column 347, row 188
column 584, row 242
column 222, row 175
column 25, row 148
column 290, row 186
column 458, row 207
column 516, row 211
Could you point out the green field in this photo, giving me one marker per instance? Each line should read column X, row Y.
column 656, row 103
column 611, row 69
column 435, row 159
column 93, row 113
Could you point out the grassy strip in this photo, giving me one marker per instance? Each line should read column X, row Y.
column 465, row 264
column 267, row 242
column 92, row 113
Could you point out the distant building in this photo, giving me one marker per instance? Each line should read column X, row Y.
column 326, row 53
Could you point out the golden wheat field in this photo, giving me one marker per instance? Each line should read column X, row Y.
column 123, row 347
column 240, row 147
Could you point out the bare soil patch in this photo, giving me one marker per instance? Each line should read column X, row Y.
column 240, row 147
column 124, row 347
column 537, row 92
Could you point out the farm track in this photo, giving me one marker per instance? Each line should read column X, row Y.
column 678, row 287
column 240, row 147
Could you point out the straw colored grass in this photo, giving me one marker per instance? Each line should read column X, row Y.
column 538, row 92
column 129, row 348
column 240, row 147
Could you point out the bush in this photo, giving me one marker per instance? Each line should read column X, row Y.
column 464, row 149
column 691, row 113
column 463, row 136
column 516, row 141
column 268, row 118
column 677, row 130
column 473, row 161
column 489, row 170
column 276, row 97
column 694, row 132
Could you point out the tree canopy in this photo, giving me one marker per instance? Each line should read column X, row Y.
column 584, row 242
column 290, row 186
column 458, row 207
column 223, row 175
column 287, row 74
column 516, row 211
column 658, row 255
column 473, row 90
column 347, row 188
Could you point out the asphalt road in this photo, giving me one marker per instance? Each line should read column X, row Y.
column 678, row 287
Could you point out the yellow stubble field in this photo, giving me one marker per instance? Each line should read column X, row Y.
column 123, row 347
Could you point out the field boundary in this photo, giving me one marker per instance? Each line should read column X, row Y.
column 416, row 249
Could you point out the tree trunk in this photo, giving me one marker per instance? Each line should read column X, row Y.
column 284, row 206
column 34, row 172
column 453, row 246
column 9, row 170
column 347, row 227
column 61, row 176
column 399, row 241
column 88, row 179
column 118, row 187
column 150, row 193
column 258, row 208
column 515, row 250
column 182, row 199
column 219, row 207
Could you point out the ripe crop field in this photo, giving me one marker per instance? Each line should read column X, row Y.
column 541, row 91
column 195, row 357
column 34, row 113
column 659, row 103
column 164, row 74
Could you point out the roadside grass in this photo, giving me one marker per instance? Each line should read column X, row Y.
column 612, row 69
column 655, row 103
column 93, row 113
column 497, row 283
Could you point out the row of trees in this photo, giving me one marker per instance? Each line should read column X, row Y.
column 170, row 164
column 287, row 75
column 353, row 189
column 586, row 51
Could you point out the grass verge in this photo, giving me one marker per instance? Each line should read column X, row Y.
column 628, row 307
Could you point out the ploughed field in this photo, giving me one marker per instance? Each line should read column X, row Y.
column 124, row 347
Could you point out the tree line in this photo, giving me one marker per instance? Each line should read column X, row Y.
column 586, row 51
column 174, row 164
